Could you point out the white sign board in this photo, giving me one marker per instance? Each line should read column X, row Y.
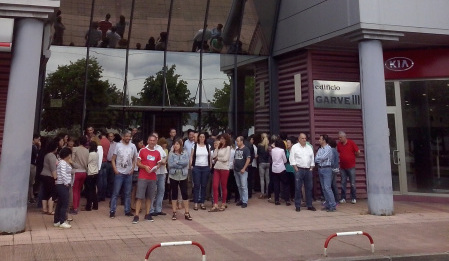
column 339, row 95
column 7, row 27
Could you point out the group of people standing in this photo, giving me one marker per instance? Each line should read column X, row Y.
column 63, row 169
column 104, row 34
column 189, row 165
column 199, row 168
column 331, row 159
column 202, row 161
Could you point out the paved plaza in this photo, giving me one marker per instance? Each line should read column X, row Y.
column 263, row 231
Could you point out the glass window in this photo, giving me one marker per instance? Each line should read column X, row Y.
column 64, row 87
column 391, row 98
column 425, row 112
column 190, row 78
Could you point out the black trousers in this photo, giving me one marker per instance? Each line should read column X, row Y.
column 279, row 178
column 251, row 173
column 270, row 185
column 174, row 189
column 91, row 192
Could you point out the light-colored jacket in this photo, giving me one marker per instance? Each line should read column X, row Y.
column 92, row 166
column 222, row 156
column 178, row 161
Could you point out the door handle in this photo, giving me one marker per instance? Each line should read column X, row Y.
column 395, row 157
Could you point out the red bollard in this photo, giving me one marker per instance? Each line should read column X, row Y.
column 177, row 243
column 348, row 234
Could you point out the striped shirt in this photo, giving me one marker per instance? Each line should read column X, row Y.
column 64, row 173
column 324, row 156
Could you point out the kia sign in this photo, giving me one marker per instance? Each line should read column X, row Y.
column 7, row 25
column 399, row 64
column 333, row 94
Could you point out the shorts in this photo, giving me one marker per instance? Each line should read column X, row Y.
column 146, row 189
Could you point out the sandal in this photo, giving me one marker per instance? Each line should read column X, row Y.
column 187, row 216
column 222, row 208
column 195, row 207
column 174, row 216
column 51, row 213
column 203, row 207
column 214, row 209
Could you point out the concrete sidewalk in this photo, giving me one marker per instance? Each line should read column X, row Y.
column 263, row 231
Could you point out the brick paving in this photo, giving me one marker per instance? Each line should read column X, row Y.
column 262, row 231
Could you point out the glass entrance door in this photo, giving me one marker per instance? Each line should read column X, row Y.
column 394, row 152
column 395, row 127
column 425, row 116
column 418, row 121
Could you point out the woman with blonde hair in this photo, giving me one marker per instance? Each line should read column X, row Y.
column 163, row 143
column 263, row 156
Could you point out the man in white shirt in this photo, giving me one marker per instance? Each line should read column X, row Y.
column 113, row 38
column 302, row 160
column 198, row 38
column 123, row 162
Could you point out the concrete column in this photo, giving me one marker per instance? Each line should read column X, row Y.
column 375, row 128
column 19, row 122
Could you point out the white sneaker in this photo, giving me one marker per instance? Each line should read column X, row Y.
column 342, row 201
column 65, row 225
column 56, row 224
column 353, row 201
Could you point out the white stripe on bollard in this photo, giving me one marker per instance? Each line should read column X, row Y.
column 349, row 233
column 178, row 243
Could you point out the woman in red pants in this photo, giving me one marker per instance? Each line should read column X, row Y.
column 80, row 158
column 221, row 171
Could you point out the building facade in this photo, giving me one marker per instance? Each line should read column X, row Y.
column 374, row 69
column 399, row 59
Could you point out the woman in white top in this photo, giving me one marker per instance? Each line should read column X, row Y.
column 221, row 171
column 92, row 176
column 200, row 163
column 278, row 168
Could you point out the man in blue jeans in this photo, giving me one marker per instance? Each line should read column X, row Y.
column 323, row 159
column 242, row 158
column 348, row 150
column 161, row 173
column 123, row 162
column 302, row 159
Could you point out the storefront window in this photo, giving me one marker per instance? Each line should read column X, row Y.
column 391, row 98
column 425, row 113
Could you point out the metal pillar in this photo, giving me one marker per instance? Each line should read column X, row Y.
column 19, row 123
column 375, row 128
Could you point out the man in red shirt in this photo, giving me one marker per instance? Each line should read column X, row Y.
column 148, row 161
column 348, row 150
column 104, row 26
